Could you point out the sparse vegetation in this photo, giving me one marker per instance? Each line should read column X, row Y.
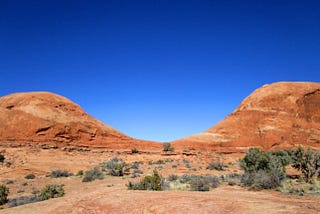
column 92, row 174
column 135, row 165
column 51, row 191
column 204, row 182
column 4, row 191
column 217, row 164
column 24, row 200
column 192, row 182
column 186, row 163
column 30, row 176
column 58, row 173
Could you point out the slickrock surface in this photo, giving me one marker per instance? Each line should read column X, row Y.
column 279, row 115
column 43, row 117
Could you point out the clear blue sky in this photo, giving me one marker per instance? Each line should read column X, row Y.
column 157, row 70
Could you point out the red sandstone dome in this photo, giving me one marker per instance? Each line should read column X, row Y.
column 43, row 117
column 279, row 115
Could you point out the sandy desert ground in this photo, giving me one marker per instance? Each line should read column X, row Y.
column 110, row 195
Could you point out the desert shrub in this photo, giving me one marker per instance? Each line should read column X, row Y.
column 196, row 182
column 260, row 180
column 79, row 173
column 167, row 147
column 2, row 158
column 20, row 191
column 92, row 175
column 217, row 164
column 172, row 177
column 153, row 182
column 9, row 181
column 136, row 173
column 199, row 185
column 204, row 182
column 263, row 170
column 159, row 162
column 30, row 176
column 134, row 150
column 233, row 179
column 23, row 200
column 4, row 191
column 58, row 173
column 51, row 191
column 308, row 162
column 186, row 178
column 300, row 187
column 114, row 167
column 135, row 165
column 186, row 163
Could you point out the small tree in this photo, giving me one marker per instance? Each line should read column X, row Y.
column 134, row 150
column 308, row 162
column 167, row 147
column 4, row 191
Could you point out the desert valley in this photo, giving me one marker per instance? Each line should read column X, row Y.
column 56, row 158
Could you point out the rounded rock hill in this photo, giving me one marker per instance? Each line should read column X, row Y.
column 278, row 115
column 44, row 117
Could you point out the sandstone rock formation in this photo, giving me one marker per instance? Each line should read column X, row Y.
column 279, row 115
column 43, row 117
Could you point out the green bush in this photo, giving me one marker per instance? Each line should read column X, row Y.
column 153, row 182
column 308, row 162
column 92, row 175
column 264, row 170
column 30, row 176
column 114, row 167
column 167, row 147
column 4, row 191
column 60, row 173
column 51, row 191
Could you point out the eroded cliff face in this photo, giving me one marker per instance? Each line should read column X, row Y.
column 279, row 115
column 43, row 117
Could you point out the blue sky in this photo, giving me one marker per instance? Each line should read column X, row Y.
column 157, row 70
